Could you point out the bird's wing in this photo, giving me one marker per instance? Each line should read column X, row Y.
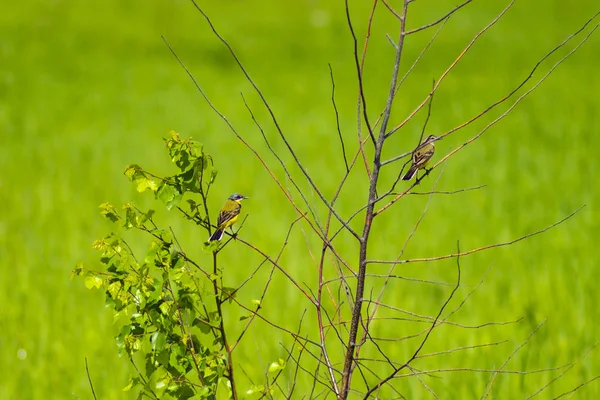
column 422, row 155
column 226, row 215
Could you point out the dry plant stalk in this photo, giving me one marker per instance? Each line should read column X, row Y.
column 349, row 323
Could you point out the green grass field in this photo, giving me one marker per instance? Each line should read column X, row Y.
column 89, row 87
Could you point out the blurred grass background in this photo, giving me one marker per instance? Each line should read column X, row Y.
column 89, row 87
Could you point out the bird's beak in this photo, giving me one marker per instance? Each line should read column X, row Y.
column 245, row 197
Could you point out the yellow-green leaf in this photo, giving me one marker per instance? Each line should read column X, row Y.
column 92, row 281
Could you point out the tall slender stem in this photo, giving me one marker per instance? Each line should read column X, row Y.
column 217, row 292
column 352, row 346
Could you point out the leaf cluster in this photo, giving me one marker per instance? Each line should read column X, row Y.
column 166, row 305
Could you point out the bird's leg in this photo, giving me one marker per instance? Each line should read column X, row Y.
column 233, row 234
column 418, row 180
column 426, row 172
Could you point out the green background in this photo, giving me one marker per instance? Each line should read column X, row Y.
column 89, row 87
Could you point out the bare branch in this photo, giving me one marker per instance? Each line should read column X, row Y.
column 361, row 90
column 483, row 370
column 396, row 277
column 394, row 13
column 565, row 371
column 577, row 388
column 518, row 100
column 446, row 192
column 386, row 281
column 369, row 215
column 87, row 371
column 273, row 118
column 443, row 19
column 420, row 347
column 479, row 248
column 475, row 346
column 281, row 163
column 337, row 119
column 447, row 71
column 264, row 292
column 495, row 374
column 423, row 383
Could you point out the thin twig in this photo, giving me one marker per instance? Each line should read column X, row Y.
column 361, row 90
column 222, row 330
column 519, row 99
column 446, row 192
column 349, row 363
column 577, row 387
column 337, row 118
column 515, row 351
column 87, row 371
column 444, row 18
column 565, row 371
column 491, row 246
column 433, row 325
column 452, row 65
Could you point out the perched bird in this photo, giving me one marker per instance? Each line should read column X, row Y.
column 228, row 215
column 421, row 156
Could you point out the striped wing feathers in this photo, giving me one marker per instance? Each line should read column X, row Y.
column 422, row 155
column 228, row 215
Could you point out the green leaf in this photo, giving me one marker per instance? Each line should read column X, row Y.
column 132, row 383
column 142, row 183
column 169, row 195
column 245, row 317
column 109, row 211
column 158, row 340
column 189, row 181
column 182, row 160
column 183, row 391
column 163, row 358
column 165, row 307
column 214, row 318
column 193, row 205
column 195, row 148
column 205, row 393
column 151, row 365
column 204, row 327
column 132, row 343
column 114, row 288
column 213, row 175
column 147, row 216
column 131, row 216
column 132, row 171
column 166, row 193
column 77, row 271
column 174, row 136
column 208, row 371
column 209, row 247
column 161, row 384
column 277, row 366
column 136, row 329
column 255, row 390
column 92, row 281
column 189, row 314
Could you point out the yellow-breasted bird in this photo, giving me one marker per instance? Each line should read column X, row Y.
column 228, row 215
column 421, row 156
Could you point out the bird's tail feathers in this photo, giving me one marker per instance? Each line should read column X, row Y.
column 411, row 172
column 217, row 235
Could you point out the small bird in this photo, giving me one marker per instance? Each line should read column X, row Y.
column 228, row 215
column 421, row 156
